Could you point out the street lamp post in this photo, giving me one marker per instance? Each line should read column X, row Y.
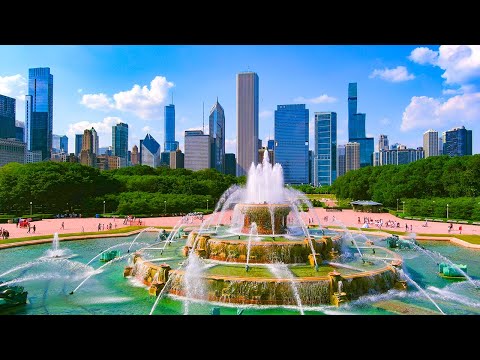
column 403, row 209
column 165, row 206
column 397, row 205
column 30, row 208
column 207, row 204
column 103, row 207
column 447, row 211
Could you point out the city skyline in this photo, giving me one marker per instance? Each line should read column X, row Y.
column 404, row 90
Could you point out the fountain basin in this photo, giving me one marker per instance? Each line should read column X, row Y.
column 262, row 215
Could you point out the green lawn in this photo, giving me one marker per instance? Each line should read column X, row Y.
column 239, row 270
column 309, row 271
column 321, row 196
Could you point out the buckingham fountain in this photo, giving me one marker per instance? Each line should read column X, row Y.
column 260, row 247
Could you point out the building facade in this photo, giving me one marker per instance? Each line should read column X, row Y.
column 457, row 142
column 120, row 141
column 352, row 156
column 20, row 130
column 230, row 164
column 430, row 143
column 150, row 151
column 12, row 150
column 78, row 144
column 261, row 155
column 401, row 155
column 216, row 122
column 382, row 142
column 340, row 160
column 7, row 117
column 177, row 159
column 169, row 128
column 325, row 163
column 291, row 142
column 39, row 111
column 247, row 121
column 197, row 150
column 135, row 154
column 33, row 156
column 87, row 156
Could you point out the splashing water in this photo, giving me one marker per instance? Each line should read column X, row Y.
column 281, row 271
column 253, row 233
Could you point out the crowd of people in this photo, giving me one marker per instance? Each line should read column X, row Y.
column 4, row 233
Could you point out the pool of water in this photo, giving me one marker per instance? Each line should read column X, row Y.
column 50, row 281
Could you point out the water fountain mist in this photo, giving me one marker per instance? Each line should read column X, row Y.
column 281, row 271
column 253, row 232
column 136, row 237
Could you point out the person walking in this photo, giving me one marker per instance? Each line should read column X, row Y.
column 28, row 232
column 34, row 228
column 63, row 226
column 460, row 229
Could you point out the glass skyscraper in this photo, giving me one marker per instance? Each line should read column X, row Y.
column 78, row 144
column 120, row 140
column 325, row 163
column 64, row 143
column 39, row 111
column 169, row 128
column 291, row 142
column 7, row 117
column 457, row 142
column 217, row 137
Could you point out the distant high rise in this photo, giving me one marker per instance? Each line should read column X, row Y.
column 87, row 156
column 120, row 141
column 150, row 151
column 177, row 159
column 457, row 142
column 311, row 161
column 291, row 142
column 352, row 156
column 383, row 142
column 430, row 143
column 217, row 137
column 7, row 117
column 197, row 150
column 230, row 164
column 165, row 158
column 64, row 143
column 325, row 163
column 135, row 155
column 169, row 128
column 341, row 160
column 20, row 131
column 95, row 141
column 55, row 143
column 440, row 145
column 39, row 111
column 261, row 155
column 78, row 144
column 247, row 121
column 400, row 155
column 271, row 144
column 12, row 150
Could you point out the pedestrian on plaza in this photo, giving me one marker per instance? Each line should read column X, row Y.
column 34, row 227
column 63, row 226
column 460, row 229
column 411, row 227
column 28, row 232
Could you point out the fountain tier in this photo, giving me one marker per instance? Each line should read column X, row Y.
column 271, row 219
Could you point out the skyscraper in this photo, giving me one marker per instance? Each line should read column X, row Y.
column 217, row 137
column 440, row 145
column 20, row 130
column 247, row 121
column 230, row 164
column 150, row 151
column 120, row 142
column 39, row 111
column 325, row 163
column 177, row 159
column 341, row 160
column 197, row 150
column 78, row 144
column 135, row 155
column 55, row 143
column 169, row 128
column 291, row 142
column 430, row 143
column 87, row 156
column 352, row 156
column 383, row 142
column 7, row 117
column 457, row 142
column 64, row 143
column 400, row 155
column 95, row 141
column 12, row 150
column 271, row 144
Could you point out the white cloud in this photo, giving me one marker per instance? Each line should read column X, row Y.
column 13, row 86
column 461, row 63
column 144, row 102
column 424, row 112
column 146, row 129
column 231, row 145
column 103, row 128
column 398, row 74
column 424, row 55
column 265, row 114
column 322, row 99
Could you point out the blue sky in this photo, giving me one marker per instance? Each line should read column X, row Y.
column 404, row 90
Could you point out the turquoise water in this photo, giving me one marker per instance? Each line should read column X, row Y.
column 50, row 281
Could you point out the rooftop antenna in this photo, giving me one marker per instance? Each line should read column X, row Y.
column 203, row 121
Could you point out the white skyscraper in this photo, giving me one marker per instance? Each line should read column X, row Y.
column 430, row 143
column 197, row 150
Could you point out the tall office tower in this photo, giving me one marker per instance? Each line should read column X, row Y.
column 440, row 145
column 20, row 130
column 230, row 164
column 135, row 155
column 169, row 128
column 311, row 157
column 64, row 143
column 217, row 137
column 39, row 111
column 271, row 144
column 457, row 142
column 352, row 156
column 95, row 141
column 325, row 163
column 120, row 142
column 197, row 150
column 55, row 143
column 356, row 128
column 341, row 160
column 78, row 144
column 430, row 143
column 177, row 159
column 87, row 156
column 7, row 117
column 383, row 142
column 165, row 158
column 291, row 142
column 247, row 121
column 259, row 144
column 150, row 151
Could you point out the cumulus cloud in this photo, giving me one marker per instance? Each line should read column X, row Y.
column 13, row 86
column 103, row 128
column 144, row 102
column 424, row 112
column 461, row 63
column 322, row 99
column 398, row 74
column 231, row 145
column 424, row 55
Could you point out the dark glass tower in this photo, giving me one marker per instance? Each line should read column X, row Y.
column 169, row 128
column 7, row 117
column 325, row 161
column 120, row 140
column 217, row 137
column 39, row 111
column 457, row 142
